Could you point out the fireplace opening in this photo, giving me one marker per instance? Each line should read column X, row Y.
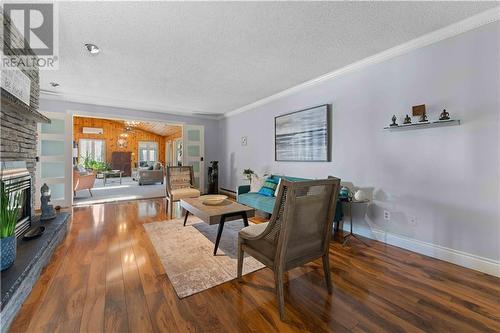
column 16, row 178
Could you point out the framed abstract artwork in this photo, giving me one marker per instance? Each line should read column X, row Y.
column 303, row 135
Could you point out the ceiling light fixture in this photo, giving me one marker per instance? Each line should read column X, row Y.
column 93, row 49
column 54, row 84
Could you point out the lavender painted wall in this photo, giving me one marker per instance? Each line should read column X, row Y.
column 212, row 151
column 446, row 178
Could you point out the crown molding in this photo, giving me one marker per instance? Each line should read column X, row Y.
column 452, row 30
column 124, row 104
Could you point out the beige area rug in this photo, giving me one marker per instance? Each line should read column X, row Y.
column 187, row 253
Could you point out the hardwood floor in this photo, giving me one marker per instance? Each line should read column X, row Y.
column 106, row 277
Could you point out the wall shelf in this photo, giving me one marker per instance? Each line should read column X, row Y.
column 414, row 126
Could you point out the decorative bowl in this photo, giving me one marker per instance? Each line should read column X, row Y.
column 213, row 199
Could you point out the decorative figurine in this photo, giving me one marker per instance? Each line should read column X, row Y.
column 48, row 211
column 394, row 121
column 407, row 120
column 423, row 119
column 444, row 115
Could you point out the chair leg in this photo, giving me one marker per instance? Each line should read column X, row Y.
column 326, row 269
column 241, row 255
column 278, row 280
column 171, row 208
column 90, row 193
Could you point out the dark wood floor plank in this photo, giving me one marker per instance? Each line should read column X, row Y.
column 106, row 276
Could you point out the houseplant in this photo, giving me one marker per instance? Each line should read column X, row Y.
column 9, row 211
column 248, row 173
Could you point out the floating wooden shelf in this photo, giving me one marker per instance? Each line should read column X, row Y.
column 414, row 126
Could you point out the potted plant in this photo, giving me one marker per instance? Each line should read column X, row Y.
column 248, row 173
column 9, row 212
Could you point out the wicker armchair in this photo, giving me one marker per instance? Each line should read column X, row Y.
column 299, row 231
column 180, row 184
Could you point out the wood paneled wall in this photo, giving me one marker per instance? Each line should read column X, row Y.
column 112, row 130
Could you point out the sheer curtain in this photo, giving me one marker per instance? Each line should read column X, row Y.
column 93, row 148
column 148, row 151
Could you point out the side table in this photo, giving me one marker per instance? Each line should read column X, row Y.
column 350, row 202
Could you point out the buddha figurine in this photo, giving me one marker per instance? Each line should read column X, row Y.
column 48, row 211
column 407, row 120
column 394, row 121
column 444, row 115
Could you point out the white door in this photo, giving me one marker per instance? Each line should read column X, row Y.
column 54, row 150
column 168, row 153
column 193, row 150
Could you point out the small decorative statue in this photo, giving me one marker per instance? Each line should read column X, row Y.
column 444, row 115
column 394, row 121
column 423, row 119
column 48, row 211
column 407, row 120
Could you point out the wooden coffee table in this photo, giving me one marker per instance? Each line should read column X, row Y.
column 227, row 211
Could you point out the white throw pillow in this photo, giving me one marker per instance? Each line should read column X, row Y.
column 277, row 188
column 256, row 183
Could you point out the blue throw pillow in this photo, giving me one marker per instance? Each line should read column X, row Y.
column 269, row 187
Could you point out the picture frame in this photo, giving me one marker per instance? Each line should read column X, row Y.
column 304, row 135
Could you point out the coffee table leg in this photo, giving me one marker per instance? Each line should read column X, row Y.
column 186, row 217
column 245, row 219
column 219, row 233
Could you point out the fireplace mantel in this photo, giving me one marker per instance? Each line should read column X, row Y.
column 10, row 102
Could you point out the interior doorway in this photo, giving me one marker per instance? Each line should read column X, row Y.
column 120, row 159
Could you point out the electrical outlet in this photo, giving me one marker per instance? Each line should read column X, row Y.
column 412, row 220
column 387, row 215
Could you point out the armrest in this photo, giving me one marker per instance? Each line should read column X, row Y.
column 242, row 189
column 88, row 176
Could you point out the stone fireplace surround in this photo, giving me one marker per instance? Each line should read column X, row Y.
column 18, row 142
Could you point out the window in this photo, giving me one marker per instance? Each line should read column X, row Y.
column 92, row 148
column 148, row 151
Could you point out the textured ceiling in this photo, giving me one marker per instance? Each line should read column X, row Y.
column 216, row 57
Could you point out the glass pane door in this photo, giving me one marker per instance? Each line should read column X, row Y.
column 54, row 152
column 193, row 151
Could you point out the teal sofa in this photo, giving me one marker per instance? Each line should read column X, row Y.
column 257, row 200
column 266, row 204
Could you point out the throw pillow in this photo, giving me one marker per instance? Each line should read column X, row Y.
column 277, row 188
column 269, row 187
column 150, row 168
column 256, row 183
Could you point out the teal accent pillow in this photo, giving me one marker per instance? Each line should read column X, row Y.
column 269, row 187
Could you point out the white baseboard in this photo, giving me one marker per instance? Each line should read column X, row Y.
column 485, row 265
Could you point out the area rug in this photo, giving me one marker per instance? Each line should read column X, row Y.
column 187, row 253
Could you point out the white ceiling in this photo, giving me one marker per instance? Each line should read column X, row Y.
column 213, row 57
